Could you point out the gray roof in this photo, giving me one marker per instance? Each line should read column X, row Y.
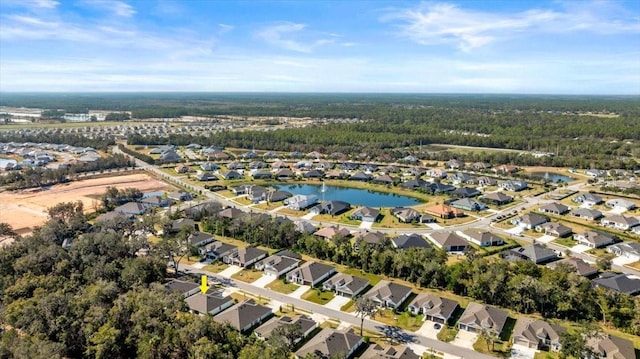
column 269, row 326
column 249, row 254
column 535, row 253
column 612, row 347
column 497, row 196
column 618, row 282
column 554, row 207
column 242, row 314
column 202, row 303
column 447, row 239
column 482, row 236
column 393, row 291
column 375, row 351
column 534, row 219
column 534, row 330
column 435, row 305
column 199, row 237
column 586, row 212
column 330, row 343
column 581, row 267
column 406, row 241
column 180, row 286
column 353, row 283
column 485, row 316
column 311, row 271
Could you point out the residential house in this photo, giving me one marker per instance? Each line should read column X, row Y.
column 505, row 169
column 333, row 208
column 482, row 238
column 183, row 287
column 255, row 165
column 480, row 166
column 534, row 253
column 376, row 351
column 608, row 346
column 620, row 204
column 578, row 265
column 218, row 250
column 206, row 176
column 231, row 213
column 311, row 273
column 244, row 316
column 478, row 317
column 279, row 264
column 183, row 169
column 554, row 208
column 284, row 174
column 232, row 175
column 370, row 238
column 199, row 239
column 208, row 303
column 245, row 257
column 588, row 199
column 485, row 181
column 360, row 176
column 434, row 308
column 586, row 213
column 261, row 174
column 530, row 220
column 468, row 204
column 415, row 183
column 331, row 343
column 619, row 282
column 620, row 222
column 497, row 198
column 449, row 241
column 537, row 334
column 113, row 216
column 594, row 239
column 346, row 285
column 155, row 202
column 460, row 178
column 409, row 215
column 514, row 185
column 314, row 174
column 181, row 223
column 436, row 173
column 555, row 229
column 465, row 192
column 389, row 294
column 384, row 179
column 444, row 211
column 306, row 324
column 437, row 187
column 235, row 165
column 131, row 209
column 331, row 232
column 180, row 196
column 365, row 214
column 454, row 164
column 279, row 165
column 592, row 172
column 209, row 166
column 406, row 241
column 630, row 250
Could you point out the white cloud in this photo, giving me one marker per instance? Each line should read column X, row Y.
column 444, row 23
column 284, row 36
column 32, row 4
column 118, row 8
column 224, row 28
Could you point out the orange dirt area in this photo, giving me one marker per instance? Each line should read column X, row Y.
column 26, row 209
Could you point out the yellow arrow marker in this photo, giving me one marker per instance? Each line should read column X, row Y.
column 203, row 286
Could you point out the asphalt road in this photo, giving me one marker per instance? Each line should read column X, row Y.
column 372, row 325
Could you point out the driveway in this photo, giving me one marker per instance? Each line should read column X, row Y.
column 622, row 260
column 337, row 302
column 263, row 281
column 428, row 330
column 300, row 291
column 227, row 273
column 617, row 210
column 366, row 225
column 465, row 339
column 545, row 239
column 515, row 230
column 580, row 248
column 521, row 352
column 434, row 226
column 308, row 216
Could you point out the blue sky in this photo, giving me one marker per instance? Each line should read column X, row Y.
column 552, row 47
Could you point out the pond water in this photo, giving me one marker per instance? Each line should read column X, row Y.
column 354, row 196
column 551, row 176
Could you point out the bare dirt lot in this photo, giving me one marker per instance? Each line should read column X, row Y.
column 24, row 210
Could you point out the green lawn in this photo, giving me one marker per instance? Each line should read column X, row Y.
column 350, row 307
column 216, row 267
column 373, row 279
column 280, row 286
column 405, row 320
column 498, row 348
column 447, row 334
column 247, row 275
column 567, row 242
column 546, row 355
column 318, row 296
